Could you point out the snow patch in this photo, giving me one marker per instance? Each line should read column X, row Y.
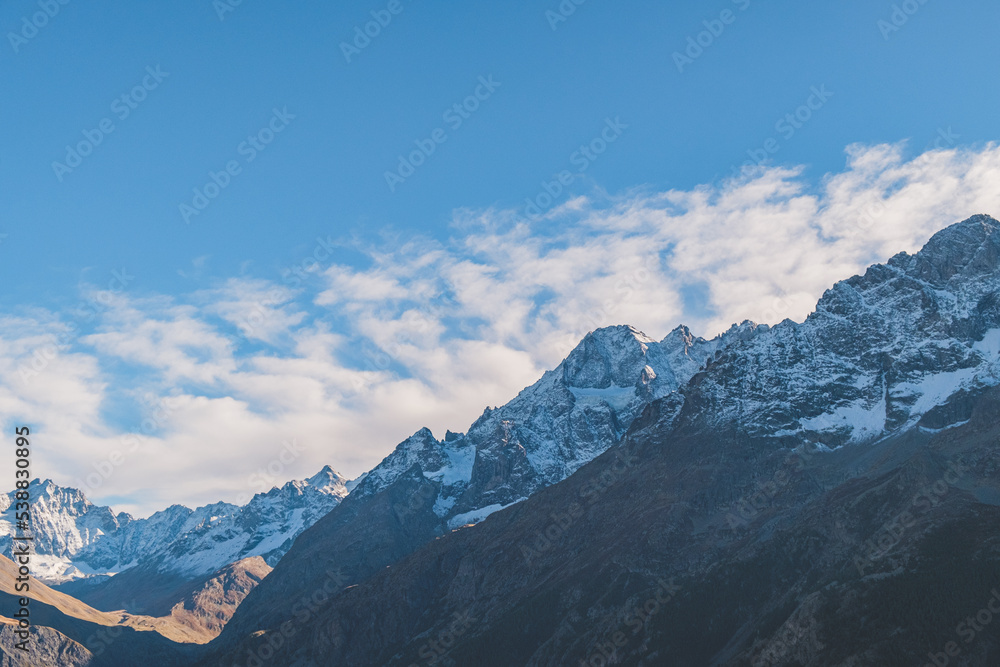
column 934, row 389
column 618, row 398
column 443, row 505
column 459, row 467
column 475, row 516
column 864, row 421
column 989, row 346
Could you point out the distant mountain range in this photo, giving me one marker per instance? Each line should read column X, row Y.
column 76, row 539
column 823, row 492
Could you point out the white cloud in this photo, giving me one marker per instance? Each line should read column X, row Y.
column 434, row 331
column 260, row 310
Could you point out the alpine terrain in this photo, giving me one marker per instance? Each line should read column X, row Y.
column 824, row 492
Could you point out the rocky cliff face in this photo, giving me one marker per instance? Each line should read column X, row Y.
column 65, row 523
column 572, row 414
column 676, row 550
column 881, row 352
column 207, row 606
column 48, row 647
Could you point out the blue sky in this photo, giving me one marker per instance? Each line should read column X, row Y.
column 325, row 175
column 211, row 304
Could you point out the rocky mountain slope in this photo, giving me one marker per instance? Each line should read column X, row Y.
column 76, row 539
column 881, row 352
column 50, row 647
column 550, row 429
column 427, row 487
column 735, row 523
column 688, row 547
column 68, row 631
column 88, row 636
column 208, row 605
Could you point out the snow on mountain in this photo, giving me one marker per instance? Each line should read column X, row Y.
column 75, row 538
column 895, row 348
column 64, row 523
column 899, row 347
column 891, row 349
column 550, row 429
column 266, row 526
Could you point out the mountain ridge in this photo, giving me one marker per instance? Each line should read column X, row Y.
column 76, row 539
column 929, row 354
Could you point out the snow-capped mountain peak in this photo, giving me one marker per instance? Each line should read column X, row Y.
column 74, row 537
column 329, row 481
column 881, row 352
column 572, row 414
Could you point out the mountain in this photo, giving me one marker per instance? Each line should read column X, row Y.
column 76, row 633
column 208, row 605
column 50, row 647
column 67, row 631
column 427, row 487
column 550, row 429
column 822, row 492
column 64, row 523
column 76, row 539
column 637, row 560
column 881, row 352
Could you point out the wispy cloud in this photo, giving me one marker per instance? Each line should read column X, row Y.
column 432, row 331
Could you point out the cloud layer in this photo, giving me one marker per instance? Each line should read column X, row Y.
column 147, row 400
